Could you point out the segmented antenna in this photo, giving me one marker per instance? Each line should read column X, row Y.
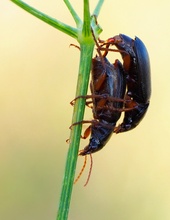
column 91, row 166
column 83, row 168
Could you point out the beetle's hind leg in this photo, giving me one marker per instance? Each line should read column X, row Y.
column 103, row 96
column 83, row 97
column 128, row 104
column 87, row 131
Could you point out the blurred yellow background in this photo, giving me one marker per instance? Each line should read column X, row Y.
column 38, row 72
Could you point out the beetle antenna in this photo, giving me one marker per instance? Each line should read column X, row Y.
column 98, row 48
column 91, row 166
column 82, row 169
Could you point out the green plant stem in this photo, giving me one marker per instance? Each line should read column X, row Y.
column 73, row 32
column 86, row 49
column 84, row 36
column 98, row 8
column 71, row 161
column 74, row 14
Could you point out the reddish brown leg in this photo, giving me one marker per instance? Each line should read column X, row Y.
column 128, row 106
column 130, row 102
column 126, row 109
column 90, row 170
column 108, row 43
column 82, row 169
column 83, row 97
column 97, row 86
column 86, row 132
column 82, row 122
column 100, row 97
column 74, row 45
column 99, row 82
column 107, row 49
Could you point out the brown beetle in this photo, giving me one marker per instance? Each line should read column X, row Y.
column 108, row 89
column 137, row 68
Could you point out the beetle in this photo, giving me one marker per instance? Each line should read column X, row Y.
column 137, row 68
column 108, row 89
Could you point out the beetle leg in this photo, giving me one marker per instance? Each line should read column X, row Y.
column 82, row 169
column 74, row 45
column 83, row 97
column 83, row 122
column 90, row 170
column 94, row 122
column 107, row 49
column 101, row 103
column 86, row 132
column 130, row 103
column 132, row 117
column 126, row 109
column 104, row 96
column 99, row 82
column 88, row 104
column 111, row 41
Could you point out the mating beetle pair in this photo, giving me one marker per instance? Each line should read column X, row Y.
column 118, row 88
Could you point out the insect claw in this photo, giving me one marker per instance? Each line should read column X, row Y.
column 68, row 141
column 72, row 102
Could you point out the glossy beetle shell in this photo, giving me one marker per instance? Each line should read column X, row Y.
column 112, row 86
column 138, row 72
column 137, row 67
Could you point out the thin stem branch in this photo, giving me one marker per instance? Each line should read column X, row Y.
column 86, row 48
column 74, row 14
column 84, row 36
column 71, row 161
column 49, row 20
column 98, row 8
column 87, row 19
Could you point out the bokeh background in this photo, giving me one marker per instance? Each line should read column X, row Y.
column 38, row 72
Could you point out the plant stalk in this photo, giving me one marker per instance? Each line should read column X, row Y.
column 84, row 36
column 78, row 114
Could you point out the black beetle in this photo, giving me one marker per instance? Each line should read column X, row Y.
column 108, row 89
column 137, row 67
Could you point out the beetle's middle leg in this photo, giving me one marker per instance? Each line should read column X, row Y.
column 88, row 130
